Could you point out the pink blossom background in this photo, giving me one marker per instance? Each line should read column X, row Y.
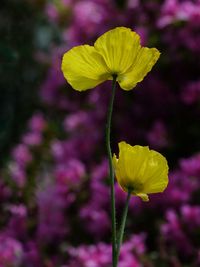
column 54, row 187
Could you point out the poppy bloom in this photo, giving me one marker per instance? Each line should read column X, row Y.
column 117, row 53
column 140, row 170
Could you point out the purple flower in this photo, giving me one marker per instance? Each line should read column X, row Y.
column 52, row 204
column 17, row 225
column 180, row 189
column 37, row 123
column 174, row 233
column 173, row 10
column 49, row 91
column 100, row 255
column 135, row 243
column 96, row 221
column 133, row 3
column 191, row 216
column 89, row 14
column 191, row 166
column 32, row 139
column 32, row 255
column 18, row 210
column 77, row 121
column 94, row 213
column 11, row 252
column 70, row 173
column 21, row 154
column 52, row 12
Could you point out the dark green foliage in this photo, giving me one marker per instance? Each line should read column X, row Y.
column 18, row 70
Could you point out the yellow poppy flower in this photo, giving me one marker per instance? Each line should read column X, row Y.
column 140, row 170
column 115, row 53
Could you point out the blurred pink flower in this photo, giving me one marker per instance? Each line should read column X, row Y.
column 52, row 12
column 22, row 155
column 100, row 255
column 52, row 221
column 37, row 122
column 76, row 121
column 191, row 216
column 70, row 173
column 11, row 252
column 191, row 166
column 32, row 139
column 173, row 232
column 174, row 10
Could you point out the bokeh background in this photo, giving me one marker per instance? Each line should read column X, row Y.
column 54, row 188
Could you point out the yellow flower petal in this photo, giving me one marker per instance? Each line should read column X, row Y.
column 157, row 168
column 140, row 170
column 144, row 62
column 144, row 197
column 119, row 48
column 84, row 68
column 136, row 168
column 120, row 173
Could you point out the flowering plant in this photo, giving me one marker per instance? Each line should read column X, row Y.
column 54, row 186
column 118, row 56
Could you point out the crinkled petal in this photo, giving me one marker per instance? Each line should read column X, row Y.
column 84, row 68
column 144, row 62
column 119, row 48
column 133, row 160
column 156, row 174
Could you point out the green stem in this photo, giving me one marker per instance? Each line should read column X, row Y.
column 121, row 231
column 108, row 126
